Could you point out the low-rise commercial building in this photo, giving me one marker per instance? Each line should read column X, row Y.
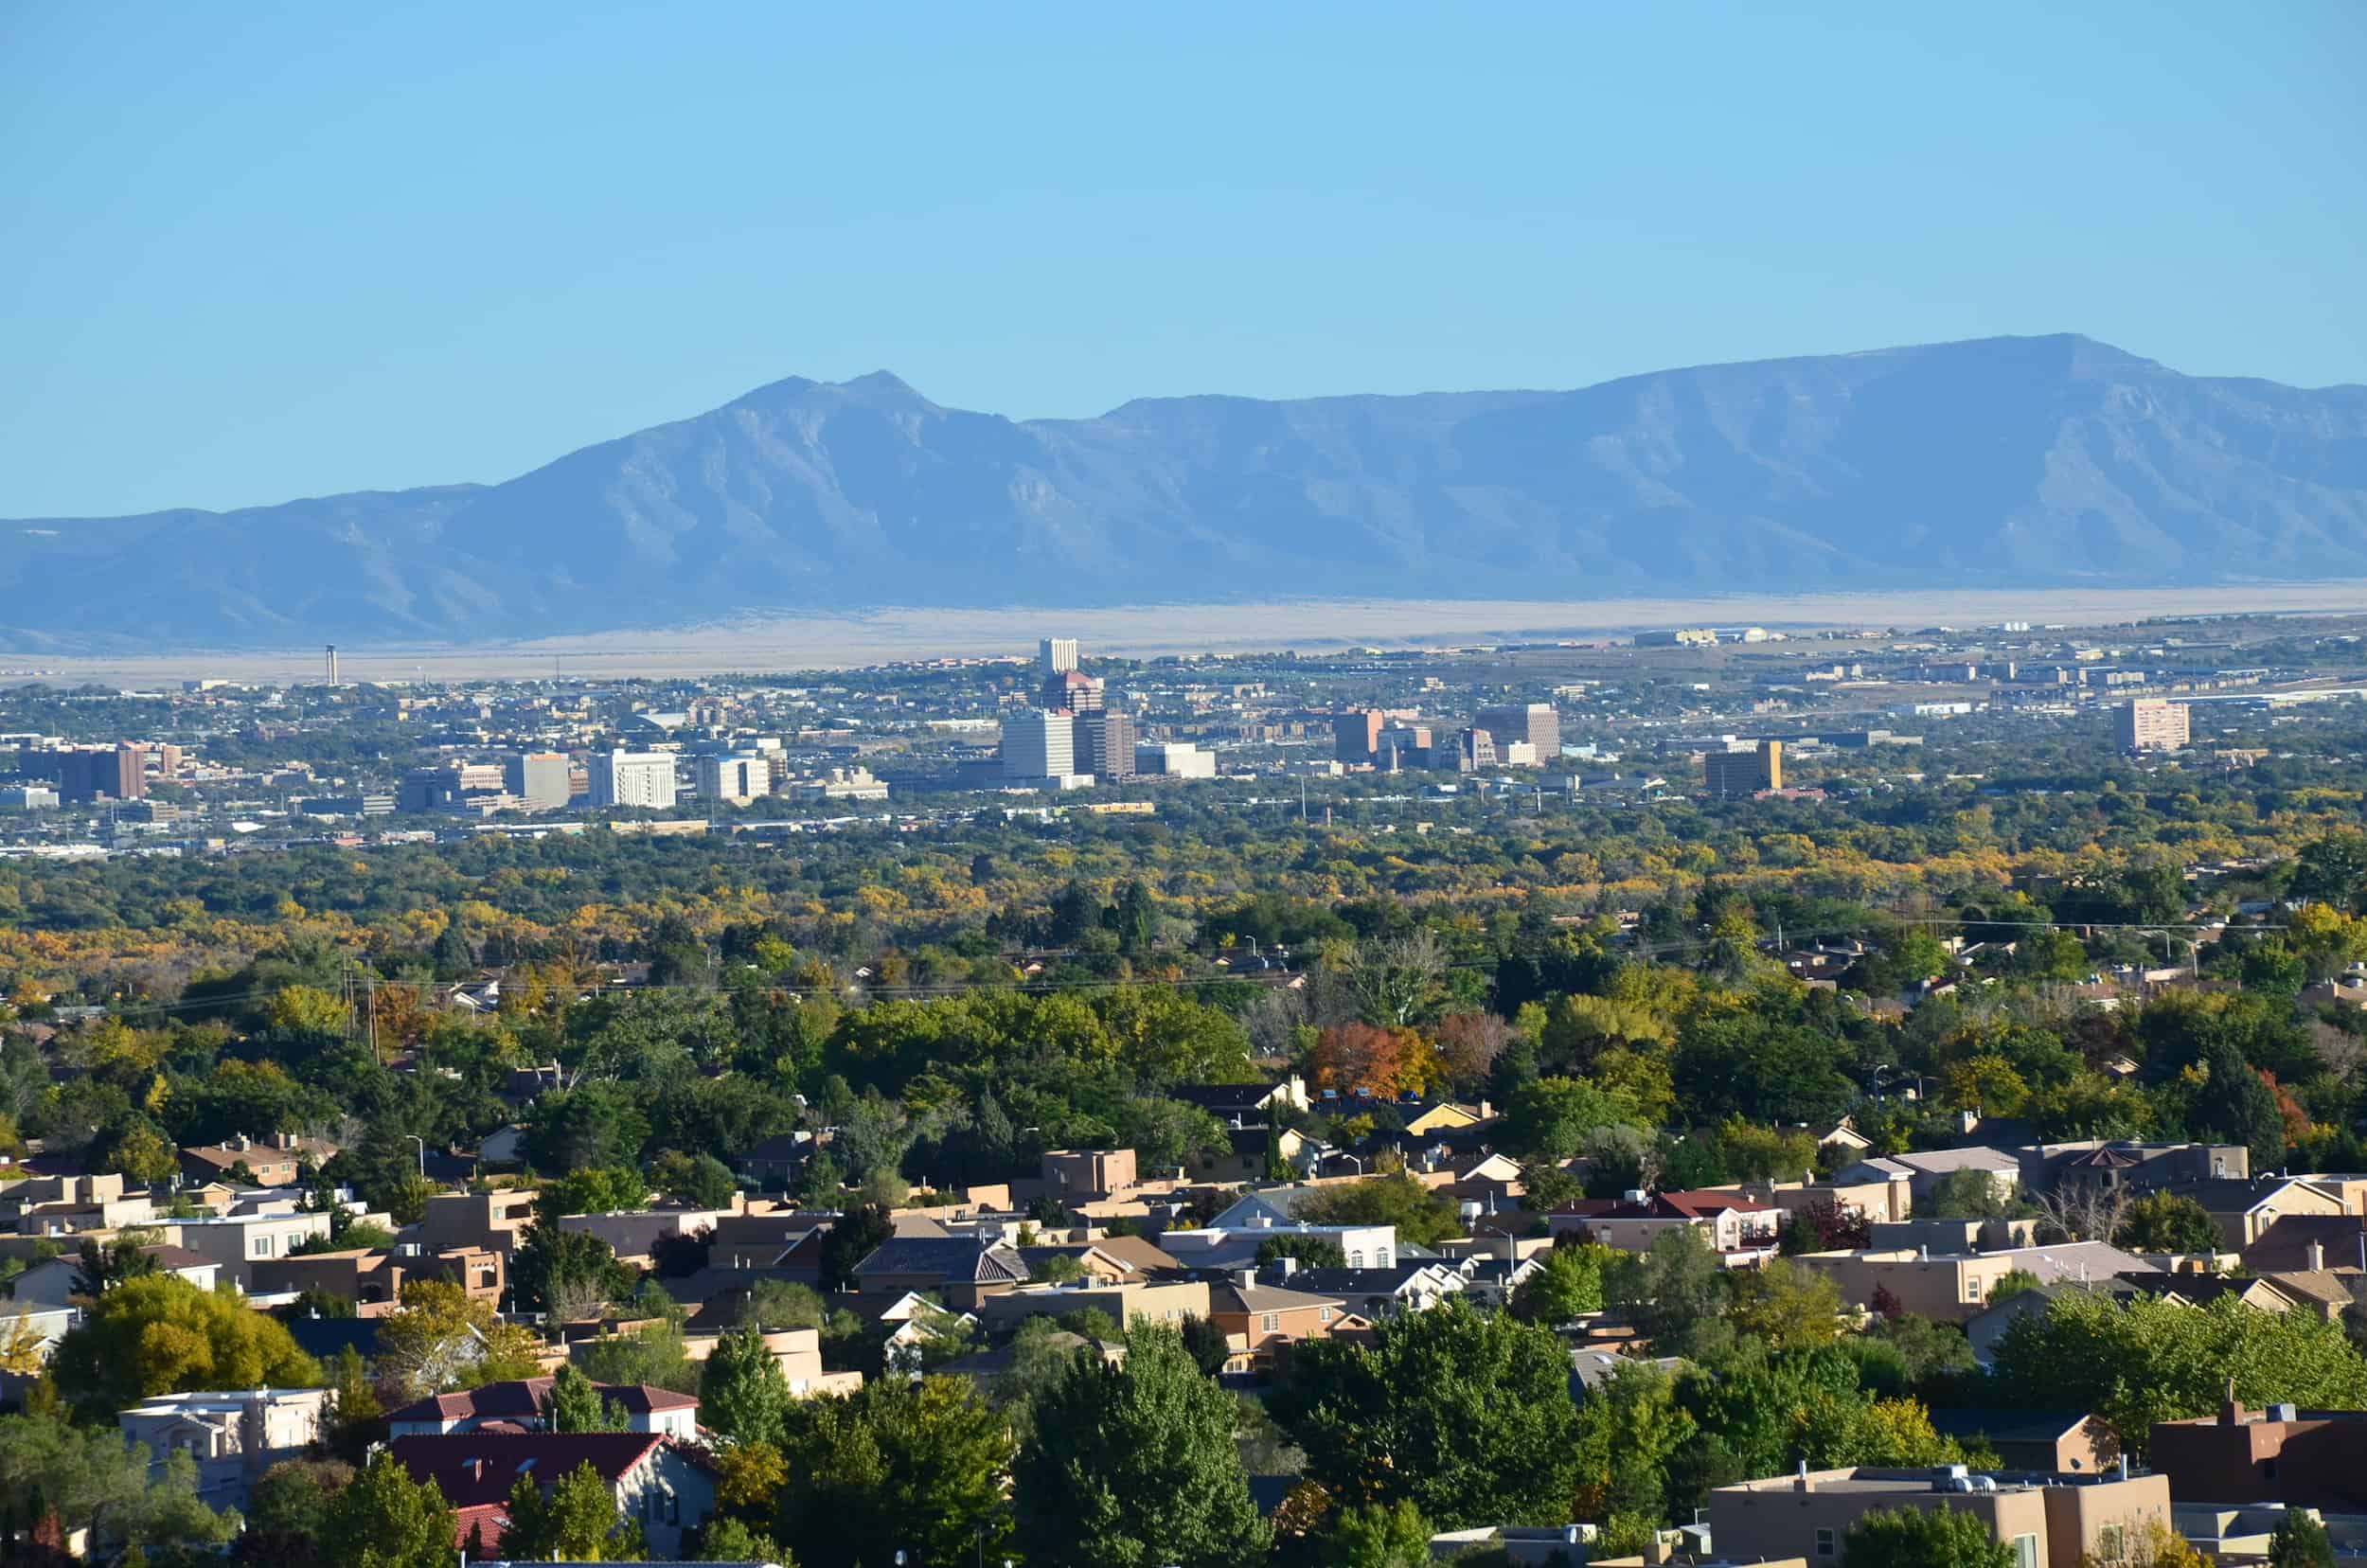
column 2048, row 1521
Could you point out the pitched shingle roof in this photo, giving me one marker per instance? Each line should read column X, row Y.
column 473, row 1468
column 960, row 1257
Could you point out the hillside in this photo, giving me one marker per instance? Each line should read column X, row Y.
column 2004, row 462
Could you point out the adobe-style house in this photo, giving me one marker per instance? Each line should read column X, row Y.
column 665, row 1487
column 375, row 1279
column 233, row 1436
column 520, row 1406
column 2302, row 1459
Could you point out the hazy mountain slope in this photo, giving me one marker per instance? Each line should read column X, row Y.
column 2011, row 460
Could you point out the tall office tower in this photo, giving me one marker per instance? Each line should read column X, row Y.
column 736, row 779
column 1105, row 743
column 539, row 778
column 83, row 773
column 1355, row 734
column 1535, row 722
column 1071, row 691
column 129, row 773
column 168, row 762
column 1039, row 745
column 1476, row 749
column 1057, row 655
column 2152, row 723
column 332, row 664
column 632, row 778
column 1745, row 773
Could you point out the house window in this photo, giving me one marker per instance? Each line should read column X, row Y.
column 1380, row 1258
column 1326, row 1315
column 1824, row 1543
column 262, row 1247
column 1973, row 1291
column 2025, row 1551
column 1271, row 1323
column 1356, row 1260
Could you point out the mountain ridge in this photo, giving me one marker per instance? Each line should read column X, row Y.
column 2038, row 461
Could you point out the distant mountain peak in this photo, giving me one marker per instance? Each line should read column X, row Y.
column 1994, row 462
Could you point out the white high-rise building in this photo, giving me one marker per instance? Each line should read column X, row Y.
column 735, row 780
column 1038, row 746
column 1057, row 655
column 632, row 778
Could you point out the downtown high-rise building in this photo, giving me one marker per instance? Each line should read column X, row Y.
column 2152, row 723
column 1039, row 745
column 1535, row 722
column 1355, row 734
column 632, row 778
column 538, row 779
column 1105, row 743
column 1055, row 655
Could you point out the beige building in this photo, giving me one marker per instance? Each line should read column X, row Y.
column 1089, row 1173
column 2048, row 1522
column 1955, row 1286
column 495, row 1221
column 1744, row 772
column 233, row 1436
column 1124, row 1304
column 238, row 1242
column 2151, row 723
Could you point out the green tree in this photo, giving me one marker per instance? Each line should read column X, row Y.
column 2332, row 870
column 1423, row 1218
column 384, row 1518
column 575, row 1404
column 356, row 1418
column 1568, row 1282
column 2166, row 1223
column 1377, row 1535
column 1312, row 1252
column 2235, row 1105
column 1630, row 1429
column 701, row 1182
column 1670, row 1290
column 919, row 1466
column 852, row 1237
column 1465, row 1415
column 729, row 1540
column 2146, row 1360
column 1134, row 1466
column 160, row 1334
column 593, row 1191
column 1784, row 1306
column 1971, row 1195
column 103, row 1265
column 93, row 1480
column 292, row 1499
column 1209, row 1347
column 573, row 1521
column 567, row 1274
column 441, row 1339
column 1914, row 1538
column 742, row 1394
column 2300, row 1542
column 1549, row 1120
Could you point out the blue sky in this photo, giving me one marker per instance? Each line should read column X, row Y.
column 263, row 251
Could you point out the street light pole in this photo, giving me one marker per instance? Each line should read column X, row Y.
column 423, row 1143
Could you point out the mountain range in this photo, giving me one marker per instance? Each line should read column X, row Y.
column 2002, row 462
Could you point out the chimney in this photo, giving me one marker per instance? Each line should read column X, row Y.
column 1288, row 1264
column 2317, row 1255
column 1800, row 1481
column 1245, row 1279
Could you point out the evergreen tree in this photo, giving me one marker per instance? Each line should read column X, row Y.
column 2300, row 1542
column 576, row 1405
column 1134, row 1466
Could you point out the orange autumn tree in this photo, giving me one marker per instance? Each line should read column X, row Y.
column 1388, row 1061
